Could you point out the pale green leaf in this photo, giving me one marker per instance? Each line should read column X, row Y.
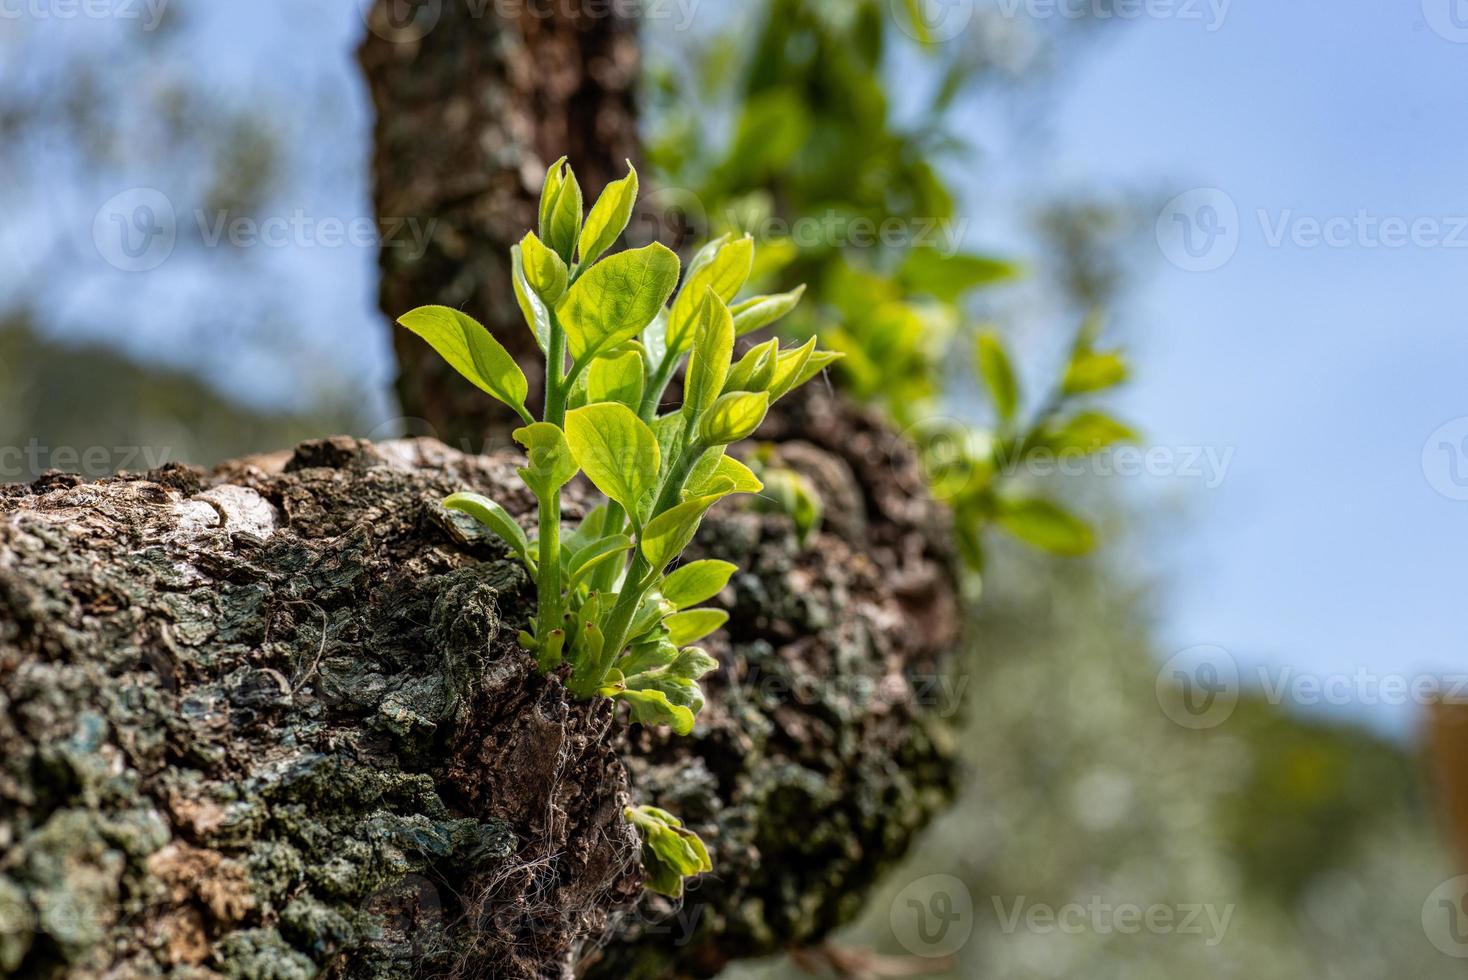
column 725, row 271
column 560, row 216
column 998, row 374
column 532, row 307
column 616, row 298
column 733, row 417
column 494, row 517
column 761, row 311
column 609, row 216
column 708, row 364
column 544, row 270
column 697, row 581
column 1045, row 525
column 756, row 369
column 469, row 349
column 550, row 463
column 668, row 534
column 789, row 367
column 654, row 708
column 616, row 379
column 693, row 625
column 616, row 449
column 1094, row 371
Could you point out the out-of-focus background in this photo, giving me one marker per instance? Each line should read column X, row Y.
column 1202, row 747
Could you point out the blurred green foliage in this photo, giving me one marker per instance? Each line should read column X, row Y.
column 843, row 194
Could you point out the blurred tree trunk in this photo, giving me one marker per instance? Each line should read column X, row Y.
column 472, row 107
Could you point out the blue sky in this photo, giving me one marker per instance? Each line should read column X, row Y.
column 1325, row 548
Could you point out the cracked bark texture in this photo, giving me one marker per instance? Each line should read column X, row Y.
column 472, row 106
column 271, row 721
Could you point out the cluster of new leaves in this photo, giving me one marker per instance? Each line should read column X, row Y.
column 611, row 604
column 976, row 471
column 670, row 852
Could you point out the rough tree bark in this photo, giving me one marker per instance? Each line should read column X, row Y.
column 471, row 107
column 271, row 721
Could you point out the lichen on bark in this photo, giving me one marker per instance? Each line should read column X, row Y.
column 271, row 721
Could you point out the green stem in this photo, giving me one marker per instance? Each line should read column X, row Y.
column 639, row 579
column 548, row 574
column 549, row 578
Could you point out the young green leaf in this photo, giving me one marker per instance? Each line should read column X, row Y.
column 756, row 369
column 697, row 581
column 1093, row 371
column 733, row 417
column 1088, row 432
column 532, row 307
column 616, row 379
column 998, row 374
column 818, row 362
column 609, row 216
column 584, row 561
column 616, row 298
column 948, row 277
column 1046, row 525
column 692, row 663
column 550, row 463
column 469, row 349
column 544, row 270
column 648, row 654
column 654, row 708
column 724, row 271
column 761, row 311
column 668, row 534
column 715, row 469
column 494, row 517
column 616, row 449
column 670, row 852
column 789, row 367
column 708, row 364
column 560, row 216
column 693, row 625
